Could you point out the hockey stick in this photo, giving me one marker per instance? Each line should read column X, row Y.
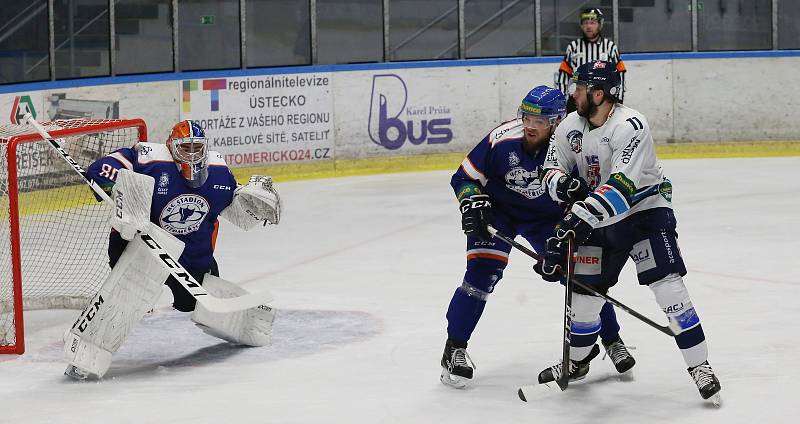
column 672, row 330
column 563, row 379
column 540, row 390
column 213, row 304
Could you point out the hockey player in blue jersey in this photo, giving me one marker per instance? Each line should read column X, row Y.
column 175, row 192
column 498, row 184
column 627, row 214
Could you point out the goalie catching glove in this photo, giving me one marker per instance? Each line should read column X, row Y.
column 256, row 202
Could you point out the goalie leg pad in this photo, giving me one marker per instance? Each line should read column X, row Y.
column 673, row 298
column 251, row 327
column 129, row 291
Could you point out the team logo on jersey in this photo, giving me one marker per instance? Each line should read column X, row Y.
column 145, row 150
column 575, row 139
column 163, row 183
column 513, row 159
column 184, row 214
column 525, row 182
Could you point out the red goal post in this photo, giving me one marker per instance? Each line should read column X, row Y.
column 53, row 232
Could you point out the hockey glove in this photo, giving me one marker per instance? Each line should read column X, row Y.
column 552, row 262
column 476, row 215
column 578, row 223
column 571, row 190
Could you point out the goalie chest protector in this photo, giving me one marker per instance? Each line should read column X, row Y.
column 188, row 213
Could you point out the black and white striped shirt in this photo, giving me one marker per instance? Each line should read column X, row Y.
column 581, row 51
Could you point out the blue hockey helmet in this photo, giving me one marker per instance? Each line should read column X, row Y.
column 598, row 74
column 544, row 102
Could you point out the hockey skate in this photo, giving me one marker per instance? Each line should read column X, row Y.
column 707, row 383
column 577, row 369
column 457, row 366
column 618, row 352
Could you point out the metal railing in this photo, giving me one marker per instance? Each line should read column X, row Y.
column 32, row 10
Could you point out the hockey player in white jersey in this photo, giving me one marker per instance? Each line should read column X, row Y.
column 628, row 214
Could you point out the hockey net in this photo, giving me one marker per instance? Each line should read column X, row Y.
column 53, row 232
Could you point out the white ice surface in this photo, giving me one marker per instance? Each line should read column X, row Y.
column 363, row 269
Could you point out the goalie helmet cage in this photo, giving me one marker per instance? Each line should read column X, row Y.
column 53, row 231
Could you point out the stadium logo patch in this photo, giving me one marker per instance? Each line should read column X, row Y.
column 163, row 183
column 184, row 214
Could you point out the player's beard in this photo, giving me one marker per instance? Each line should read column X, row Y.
column 584, row 110
column 532, row 145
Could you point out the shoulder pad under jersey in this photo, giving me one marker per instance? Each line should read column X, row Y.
column 216, row 159
column 507, row 130
column 152, row 152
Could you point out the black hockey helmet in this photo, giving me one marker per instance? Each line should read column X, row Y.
column 598, row 74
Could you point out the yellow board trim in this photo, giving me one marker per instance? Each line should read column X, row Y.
column 739, row 149
column 451, row 161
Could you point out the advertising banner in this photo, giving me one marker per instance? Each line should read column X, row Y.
column 264, row 120
column 35, row 161
column 414, row 111
column 153, row 102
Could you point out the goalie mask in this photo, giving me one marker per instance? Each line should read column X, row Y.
column 189, row 148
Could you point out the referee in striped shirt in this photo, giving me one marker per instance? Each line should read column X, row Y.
column 592, row 46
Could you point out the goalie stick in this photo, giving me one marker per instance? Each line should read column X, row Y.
column 213, row 304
